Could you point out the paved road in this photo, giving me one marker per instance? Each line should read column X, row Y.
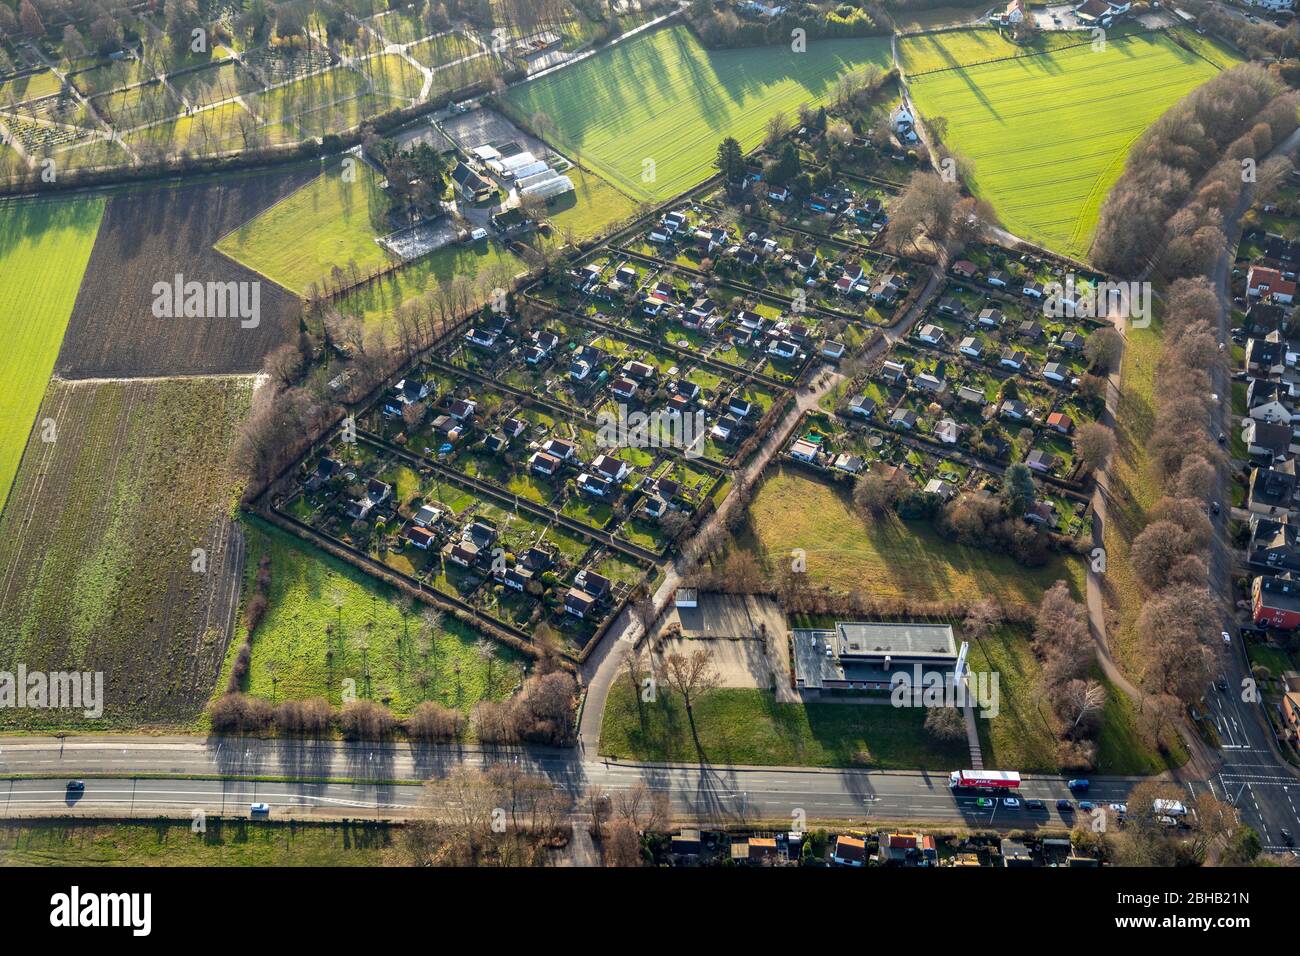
column 1252, row 773
column 121, row 775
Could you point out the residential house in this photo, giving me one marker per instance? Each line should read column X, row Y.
column 1272, row 489
column 947, row 431
column 1012, row 358
column 930, row 334
column 1265, row 283
column 1266, row 440
column 1273, row 545
column 929, row 383
column 1056, row 372
column 849, row 851
column 609, row 467
column 1275, row 601
column 970, row 346
column 862, row 406
column 804, row 450
column 990, row 317
column 1061, row 422
column 1041, row 461
column 1014, row 409
column 543, row 464
column 904, row 418
column 593, row 485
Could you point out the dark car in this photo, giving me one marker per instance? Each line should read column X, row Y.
column 1221, row 684
column 76, row 786
column 1287, row 838
column 1035, row 805
column 1065, row 806
column 1079, row 784
column 1087, row 805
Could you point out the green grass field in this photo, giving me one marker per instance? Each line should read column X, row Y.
column 44, row 247
column 891, row 559
column 329, row 222
column 738, row 726
column 481, row 262
column 225, row 843
column 954, row 48
column 328, row 623
column 1047, row 135
column 663, row 97
column 592, row 206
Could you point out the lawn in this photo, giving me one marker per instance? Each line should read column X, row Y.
column 44, row 247
column 1047, row 135
column 331, row 221
column 954, row 48
column 329, row 623
column 98, row 563
column 592, row 206
column 482, row 264
column 738, row 726
column 225, row 843
column 662, row 97
column 1023, row 734
column 888, row 558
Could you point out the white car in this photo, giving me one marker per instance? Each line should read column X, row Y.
column 1227, row 638
column 1011, row 802
column 259, row 809
column 1120, row 808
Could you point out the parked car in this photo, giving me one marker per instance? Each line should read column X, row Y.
column 1078, row 784
column 1011, row 803
column 1120, row 808
column 1035, row 805
column 1227, row 638
column 1087, row 806
column 1065, row 806
column 984, row 803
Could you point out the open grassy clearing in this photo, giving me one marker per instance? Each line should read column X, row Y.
column 889, row 558
column 44, row 247
column 954, row 48
column 329, row 623
column 739, row 726
column 97, row 545
column 329, row 222
column 591, row 207
column 29, row 87
column 663, row 97
column 225, row 843
column 221, row 129
column 441, row 50
column 375, row 301
column 1134, row 490
column 1047, row 135
column 1212, row 48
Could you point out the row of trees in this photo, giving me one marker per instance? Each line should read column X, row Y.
column 1187, row 171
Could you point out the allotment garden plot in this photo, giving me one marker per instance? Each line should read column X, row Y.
column 1047, row 135
column 663, row 97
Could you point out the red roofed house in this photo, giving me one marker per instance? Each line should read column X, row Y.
column 1061, row 422
column 1263, row 283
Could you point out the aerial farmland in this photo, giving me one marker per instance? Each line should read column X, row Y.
column 616, row 411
